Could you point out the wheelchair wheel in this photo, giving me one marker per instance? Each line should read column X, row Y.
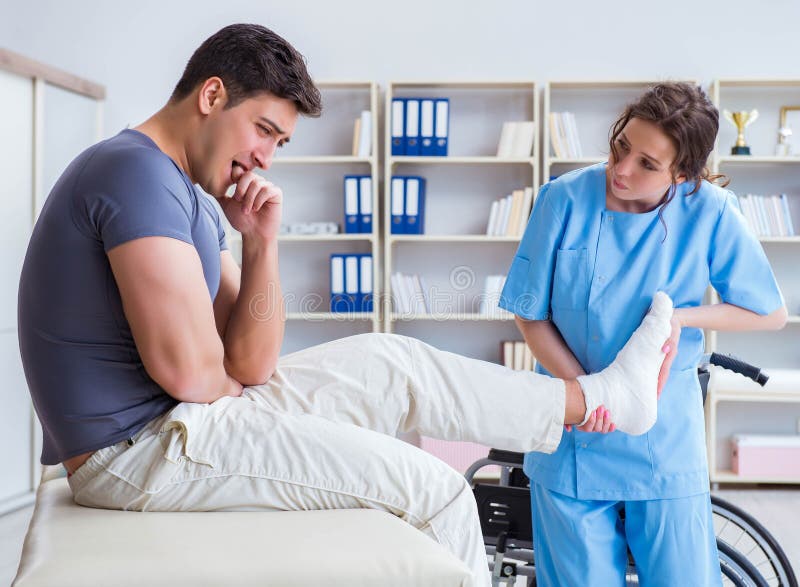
column 745, row 534
column 736, row 570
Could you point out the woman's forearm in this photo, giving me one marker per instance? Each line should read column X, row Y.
column 729, row 317
column 549, row 348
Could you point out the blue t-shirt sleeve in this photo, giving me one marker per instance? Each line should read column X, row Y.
column 215, row 212
column 529, row 283
column 738, row 268
column 218, row 214
column 132, row 198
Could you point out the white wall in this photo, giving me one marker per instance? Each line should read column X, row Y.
column 138, row 49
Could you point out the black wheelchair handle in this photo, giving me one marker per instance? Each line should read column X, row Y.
column 507, row 456
column 738, row 366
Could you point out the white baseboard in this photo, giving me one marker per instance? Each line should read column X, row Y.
column 17, row 502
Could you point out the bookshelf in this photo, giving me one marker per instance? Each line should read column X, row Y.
column 595, row 105
column 729, row 396
column 454, row 255
column 732, row 402
column 310, row 170
column 462, row 317
column 457, row 238
column 468, row 179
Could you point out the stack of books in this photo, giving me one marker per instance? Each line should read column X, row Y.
column 516, row 355
column 767, row 215
column 408, row 204
column 509, row 216
column 357, row 204
column 410, row 296
column 564, row 136
column 420, row 127
column 351, row 283
column 491, row 297
column 362, row 135
column 516, row 140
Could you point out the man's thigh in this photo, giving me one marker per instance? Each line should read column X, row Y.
column 235, row 454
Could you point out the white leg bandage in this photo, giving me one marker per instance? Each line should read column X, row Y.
column 628, row 387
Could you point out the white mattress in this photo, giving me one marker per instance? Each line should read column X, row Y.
column 71, row 546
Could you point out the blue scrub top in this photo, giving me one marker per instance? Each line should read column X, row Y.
column 594, row 272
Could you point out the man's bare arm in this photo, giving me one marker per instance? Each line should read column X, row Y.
column 166, row 302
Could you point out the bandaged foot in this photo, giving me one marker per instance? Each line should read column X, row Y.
column 628, row 386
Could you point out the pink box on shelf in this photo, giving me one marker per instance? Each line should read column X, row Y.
column 770, row 456
column 459, row 455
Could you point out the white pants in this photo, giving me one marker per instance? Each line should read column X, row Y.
column 321, row 435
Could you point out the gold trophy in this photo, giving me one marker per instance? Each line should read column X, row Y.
column 741, row 120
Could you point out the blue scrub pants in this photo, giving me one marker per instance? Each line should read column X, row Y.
column 583, row 542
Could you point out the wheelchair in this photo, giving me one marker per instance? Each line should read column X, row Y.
column 749, row 555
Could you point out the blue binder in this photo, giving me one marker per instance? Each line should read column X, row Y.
column 442, row 123
column 412, row 126
column 426, row 127
column 398, row 127
column 365, row 293
column 398, row 205
column 365, row 203
column 340, row 301
column 351, row 282
column 415, row 205
column 352, row 222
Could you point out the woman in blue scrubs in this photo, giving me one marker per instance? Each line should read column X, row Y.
column 600, row 242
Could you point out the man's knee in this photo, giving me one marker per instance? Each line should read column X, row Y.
column 456, row 497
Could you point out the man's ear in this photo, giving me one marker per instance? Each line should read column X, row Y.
column 212, row 95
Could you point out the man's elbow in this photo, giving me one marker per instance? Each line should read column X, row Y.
column 250, row 374
column 195, row 383
column 190, row 389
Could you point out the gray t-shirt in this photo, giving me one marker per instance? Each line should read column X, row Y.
column 87, row 380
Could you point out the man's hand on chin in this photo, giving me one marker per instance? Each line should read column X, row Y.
column 255, row 207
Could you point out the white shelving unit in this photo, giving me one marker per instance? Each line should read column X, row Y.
column 731, row 394
column 466, row 182
column 733, row 402
column 308, row 238
column 596, row 105
column 324, row 160
column 465, row 317
column 330, row 316
column 455, row 255
column 480, row 160
column 310, row 170
column 458, row 238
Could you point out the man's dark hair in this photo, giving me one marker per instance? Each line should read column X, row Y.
column 251, row 59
